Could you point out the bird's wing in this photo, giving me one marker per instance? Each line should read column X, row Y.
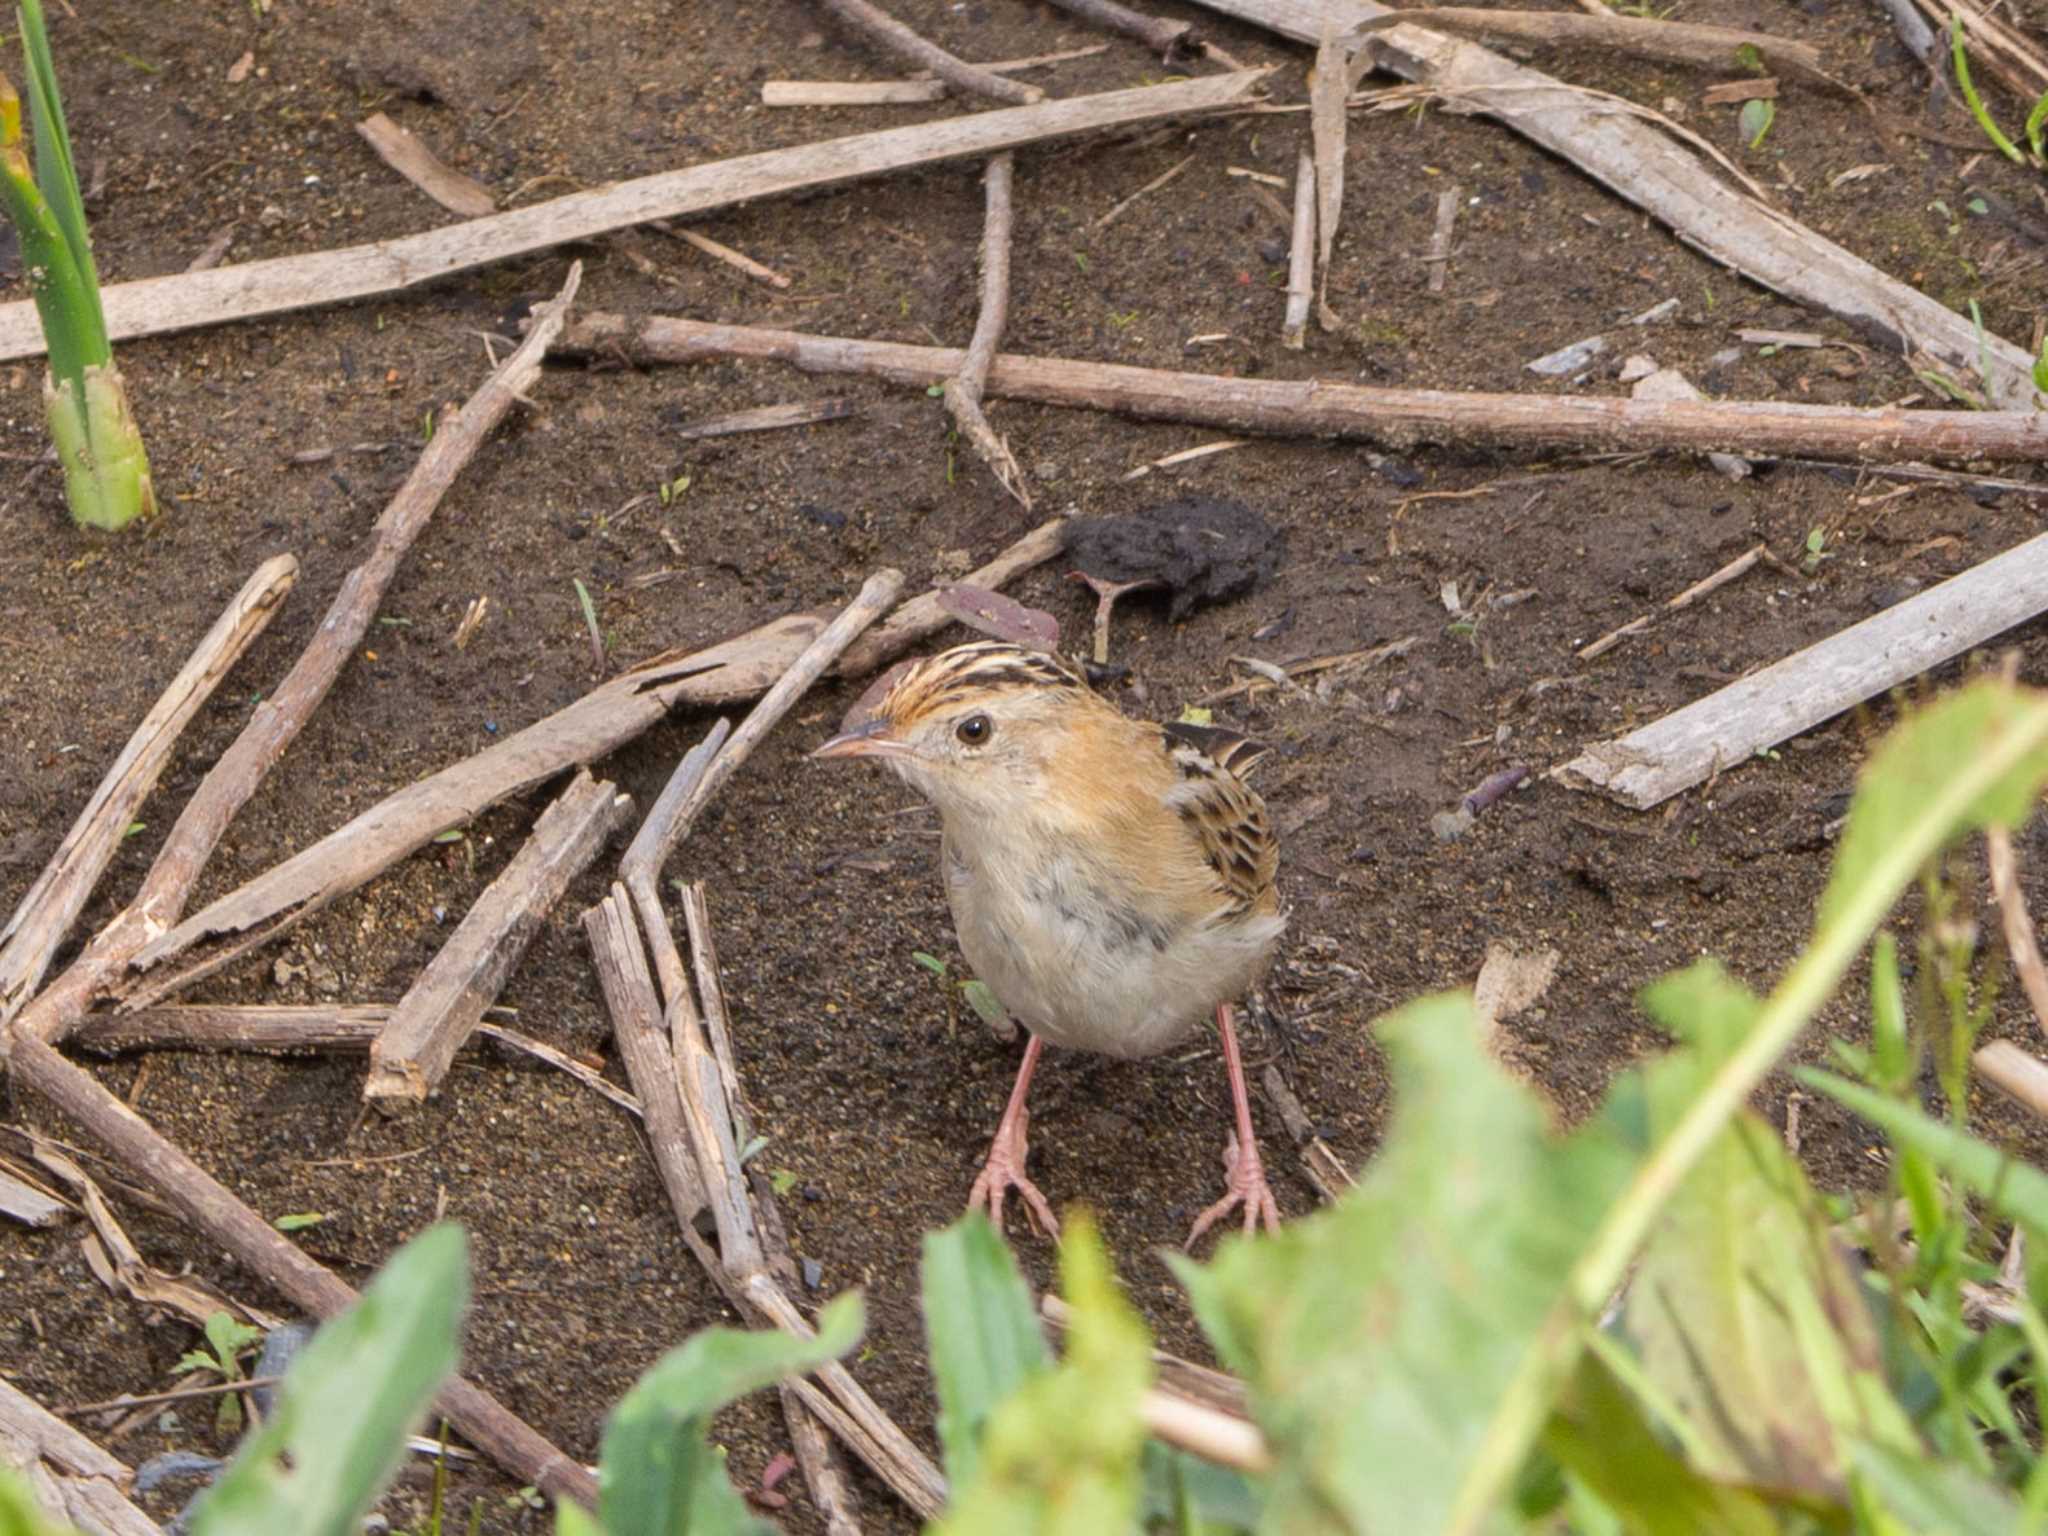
column 1226, row 819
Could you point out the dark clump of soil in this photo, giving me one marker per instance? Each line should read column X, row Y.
column 875, row 1090
column 1200, row 549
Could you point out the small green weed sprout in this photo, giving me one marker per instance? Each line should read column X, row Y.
column 226, row 1341
column 106, row 471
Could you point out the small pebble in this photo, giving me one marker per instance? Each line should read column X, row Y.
column 1451, row 825
column 814, row 1274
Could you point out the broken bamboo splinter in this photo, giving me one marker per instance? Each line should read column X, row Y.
column 1397, row 418
column 68, row 1476
column 418, row 1042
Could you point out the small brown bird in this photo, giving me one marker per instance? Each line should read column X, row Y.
column 1111, row 880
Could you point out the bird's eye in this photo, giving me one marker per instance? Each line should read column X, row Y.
column 974, row 730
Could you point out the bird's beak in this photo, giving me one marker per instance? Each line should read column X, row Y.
column 871, row 739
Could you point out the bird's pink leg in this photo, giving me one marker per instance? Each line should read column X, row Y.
column 1004, row 1169
column 1246, row 1176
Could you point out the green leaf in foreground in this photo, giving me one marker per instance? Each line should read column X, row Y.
column 1978, row 756
column 1061, row 1454
column 1377, row 1337
column 983, row 1333
column 1758, row 113
column 334, row 1438
column 658, row 1475
column 1750, row 1324
column 20, row 1515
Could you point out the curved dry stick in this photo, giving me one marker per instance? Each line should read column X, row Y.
column 60, row 893
column 963, row 392
column 879, row 26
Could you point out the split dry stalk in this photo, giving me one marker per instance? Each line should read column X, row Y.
column 413, row 1051
column 877, row 26
column 1395, row 418
column 61, row 891
column 402, row 150
column 1439, row 258
column 963, row 391
column 70, row 1477
column 602, row 720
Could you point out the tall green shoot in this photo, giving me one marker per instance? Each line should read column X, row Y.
column 106, row 471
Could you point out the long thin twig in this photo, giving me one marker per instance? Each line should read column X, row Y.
column 52, row 905
column 1397, row 418
column 963, row 391
column 276, row 721
column 879, row 27
column 1705, row 586
column 145, row 1399
column 1301, row 255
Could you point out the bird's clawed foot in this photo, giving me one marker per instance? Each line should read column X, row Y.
column 1004, row 1171
column 1244, row 1184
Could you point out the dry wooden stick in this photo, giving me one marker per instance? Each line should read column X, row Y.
column 611, row 714
column 1301, row 255
column 769, row 418
column 1203, row 1431
column 1439, row 258
column 2017, row 922
column 963, row 391
column 678, row 807
column 176, row 1395
column 1640, row 164
column 1329, row 128
column 52, row 904
column 222, row 1219
column 400, row 149
column 877, row 26
column 70, row 1477
column 244, row 290
column 276, row 721
column 1169, row 39
column 1739, row 566
column 30, row 1204
column 446, row 1002
column 851, row 93
column 2019, row 1075
column 288, row 1029
column 1108, row 218
column 1648, row 766
column 1396, row 418
column 739, row 261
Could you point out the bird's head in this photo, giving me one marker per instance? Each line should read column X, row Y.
column 972, row 729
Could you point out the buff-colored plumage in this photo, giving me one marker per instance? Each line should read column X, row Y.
column 1110, row 880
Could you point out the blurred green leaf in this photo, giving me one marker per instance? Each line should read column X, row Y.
column 658, row 1475
column 298, row 1221
column 1939, row 1499
column 983, row 1333
column 1599, row 1433
column 931, row 963
column 1750, row 1324
column 337, row 1430
column 1378, row 1338
column 572, row 1519
column 20, row 1515
column 1183, row 1493
column 1758, row 113
column 1060, row 1454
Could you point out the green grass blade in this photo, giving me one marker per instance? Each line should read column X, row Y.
column 56, row 172
column 2037, row 127
column 2006, row 146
